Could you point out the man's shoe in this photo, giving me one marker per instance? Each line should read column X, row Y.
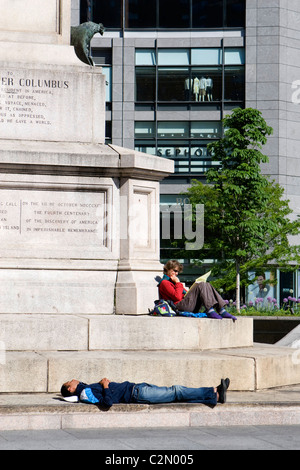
column 222, row 389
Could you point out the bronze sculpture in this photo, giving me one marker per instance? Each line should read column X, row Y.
column 81, row 37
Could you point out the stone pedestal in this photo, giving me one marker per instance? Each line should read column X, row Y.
column 76, row 232
column 56, row 103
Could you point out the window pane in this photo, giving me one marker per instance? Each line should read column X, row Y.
column 144, row 130
column 140, row 13
column 235, row 13
column 107, row 72
column 85, row 11
column 200, row 151
column 287, row 282
column 174, row 13
column 172, row 150
column 188, row 88
column 107, row 132
column 234, row 56
column 145, row 57
column 101, row 56
column 173, row 129
column 145, row 84
column 207, row 13
column 173, row 57
column 179, row 152
column 206, row 130
column 234, row 83
column 101, row 11
column 145, row 148
column 200, row 157
column 207, row 84
column 209, row 56
column 171, row 83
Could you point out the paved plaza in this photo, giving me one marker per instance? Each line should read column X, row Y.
column 265, row 420
column 155, row 439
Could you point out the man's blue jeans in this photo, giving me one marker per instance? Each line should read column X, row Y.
column 151, row 394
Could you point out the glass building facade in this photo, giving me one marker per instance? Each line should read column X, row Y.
column 173, row 68
column 189, row 76
column 160, row 14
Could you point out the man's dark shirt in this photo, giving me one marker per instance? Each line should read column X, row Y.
column 96, row 393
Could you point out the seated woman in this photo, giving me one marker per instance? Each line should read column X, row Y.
column 202, row 294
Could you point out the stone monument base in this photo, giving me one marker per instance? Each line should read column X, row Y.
column 71, row 237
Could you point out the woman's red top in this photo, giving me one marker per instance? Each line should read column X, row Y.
column 168, row 290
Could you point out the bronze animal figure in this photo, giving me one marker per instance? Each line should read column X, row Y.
column 81, row 37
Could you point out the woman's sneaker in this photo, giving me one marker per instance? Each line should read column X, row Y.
column 213, row 314
column 225, row 314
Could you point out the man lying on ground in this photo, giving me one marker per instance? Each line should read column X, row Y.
column 106, row 393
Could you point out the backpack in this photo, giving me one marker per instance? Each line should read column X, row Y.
column 162, row 309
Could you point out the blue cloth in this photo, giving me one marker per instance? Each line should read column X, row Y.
column 87, row 396
column 191, row 314
column 151, row 394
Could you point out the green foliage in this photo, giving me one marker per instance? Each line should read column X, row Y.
column 291, row 308
column 247, row 218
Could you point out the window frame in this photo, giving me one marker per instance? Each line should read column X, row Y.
column 216, row 70
column 188, row 152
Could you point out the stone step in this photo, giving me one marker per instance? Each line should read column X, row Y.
column 43, row 412
column 253, row 368
column 43, row 332
column 54, row 332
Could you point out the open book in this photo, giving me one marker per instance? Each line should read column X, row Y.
column 202, row 278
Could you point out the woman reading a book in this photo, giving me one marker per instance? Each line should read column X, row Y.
column 200, row 294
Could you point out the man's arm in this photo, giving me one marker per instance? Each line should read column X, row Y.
column 104, row 382
column 107, row 397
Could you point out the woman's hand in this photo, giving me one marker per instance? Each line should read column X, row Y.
column 173, row 277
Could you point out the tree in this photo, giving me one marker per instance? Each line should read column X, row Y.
column 247, row 223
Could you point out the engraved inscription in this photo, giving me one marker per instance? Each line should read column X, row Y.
column 68, row 218
column 25, row 100
column 52, row 104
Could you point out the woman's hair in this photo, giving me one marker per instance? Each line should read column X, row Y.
column 173, row 264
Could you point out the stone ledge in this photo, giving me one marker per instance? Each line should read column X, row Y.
column 176, row 333
column 189, row 368
column 45, row 371
column 279, row 406
column 249, row 369
column 147, row 416
column 46, row 332
column 100, row 159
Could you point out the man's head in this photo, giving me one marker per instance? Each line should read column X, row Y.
column 69, row 388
